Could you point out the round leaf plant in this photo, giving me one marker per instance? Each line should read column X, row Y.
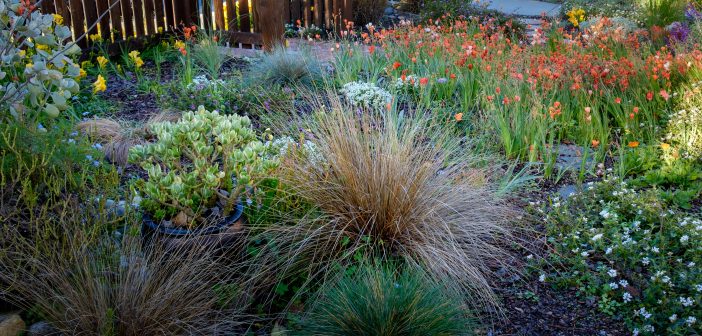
column 201, row 165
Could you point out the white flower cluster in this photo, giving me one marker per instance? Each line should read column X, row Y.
column 285, row 144
column 366, row 95
column 640, row 251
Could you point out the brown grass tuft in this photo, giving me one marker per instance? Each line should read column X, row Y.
column 415, row 192
column 117, row 138
column 87, row 280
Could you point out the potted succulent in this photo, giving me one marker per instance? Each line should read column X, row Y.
column 199, row 171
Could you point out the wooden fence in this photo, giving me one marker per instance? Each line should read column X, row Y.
column 119, row 20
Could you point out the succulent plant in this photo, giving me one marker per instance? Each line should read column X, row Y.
column 203, row 162
column 37, row 73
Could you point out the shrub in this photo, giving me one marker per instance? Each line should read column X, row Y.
column 396, row 187
column 368, row 11
column 204, row 161
column 223, row 96
column 634, row 252
column 37, row 76
column 379, row 301
column 285, row 68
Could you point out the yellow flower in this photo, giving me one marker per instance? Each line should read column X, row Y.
column 160, row 30
column 100, row 85
column 82, row 74
column 22, row 53
column 96, row 38
column 102, row 61
column 665, row 146
column 42, row 47
column 29, row 65
column 575, row 16
column 86, row 64
column 138, row 62
column 179, row 45
column 58, row 19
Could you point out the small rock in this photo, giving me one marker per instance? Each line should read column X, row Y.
column 11, row 325
column 41, row 328
column 567, row 190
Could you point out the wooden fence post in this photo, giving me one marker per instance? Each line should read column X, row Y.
column 269, row 15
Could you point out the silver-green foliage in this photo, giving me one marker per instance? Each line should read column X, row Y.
column 204, row 160
column 37, row 73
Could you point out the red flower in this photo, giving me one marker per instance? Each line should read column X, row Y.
column 649, row 96
column 423, row 81
column 498, row 90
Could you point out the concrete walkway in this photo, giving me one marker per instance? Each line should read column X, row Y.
column 525, row 8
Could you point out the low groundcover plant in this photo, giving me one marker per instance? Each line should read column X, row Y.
column 638, row 254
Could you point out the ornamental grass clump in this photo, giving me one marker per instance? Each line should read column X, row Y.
column 285, row 67
column 200, row 166
column 395, row 187
column 380, row 301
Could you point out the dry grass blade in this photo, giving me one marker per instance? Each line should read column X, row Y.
column 117, row 138
column 402, row 185
column 88, row 281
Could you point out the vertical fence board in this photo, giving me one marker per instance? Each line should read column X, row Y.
column 348, row 10
column 116, row 18
column 244, row 16
column 209, row 24
column 336, row 15
column 150, row 15
column 295, row 11
column 62, row 8
column 192, row 15
column 232, row 20
column 328, row 14
column 127, row 18
column 77, row 20
column 160, row 15
column 91, row 15
column 307, row 12
column 318, row 13
column 138, row 17
column 170, row 14
column 102, row 7
column 218, row 8
column 47, row 6
column 286, row 11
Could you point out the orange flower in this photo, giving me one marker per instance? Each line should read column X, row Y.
column 371, row 49
column 631, row 116
column 633, row 144
column 649, row 96
column 458, row 116
column 664, row 94
column 490, row 98
column 498, row 90
column 636, row 109
column 517, row 98
column 618, row 100
column 396, row 65
column 452, row 76
column 183, row 51
column 595, row 143
column 423, row 81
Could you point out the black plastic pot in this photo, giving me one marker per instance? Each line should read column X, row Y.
column 221, row 233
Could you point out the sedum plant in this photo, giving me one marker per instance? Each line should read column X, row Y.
column 37, row 74
column 201, row 165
